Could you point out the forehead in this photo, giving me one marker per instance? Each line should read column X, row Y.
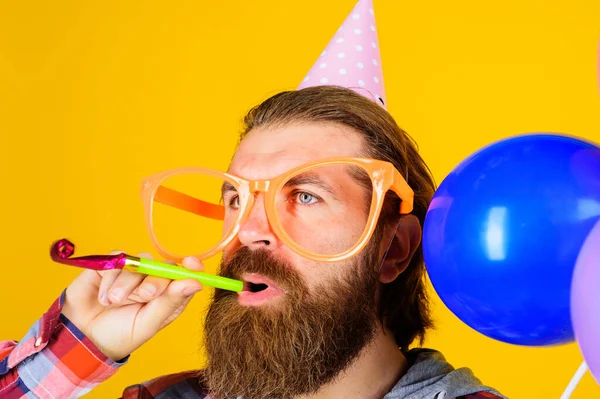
column 269, row 152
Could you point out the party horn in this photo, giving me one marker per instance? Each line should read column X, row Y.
column 62, row 250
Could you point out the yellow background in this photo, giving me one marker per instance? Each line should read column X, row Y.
column 96, row 95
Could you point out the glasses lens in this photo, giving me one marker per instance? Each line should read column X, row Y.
column 188, row 212
column 325, row 209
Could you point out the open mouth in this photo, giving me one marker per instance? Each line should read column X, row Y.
column 253, row 287
column 257, row 290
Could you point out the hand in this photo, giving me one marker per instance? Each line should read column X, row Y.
column 121, row 310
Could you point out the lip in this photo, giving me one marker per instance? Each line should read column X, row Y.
column 249, row 298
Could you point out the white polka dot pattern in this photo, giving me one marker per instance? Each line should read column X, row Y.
column 352, row 59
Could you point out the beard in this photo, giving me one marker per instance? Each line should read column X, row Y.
column 296, row 345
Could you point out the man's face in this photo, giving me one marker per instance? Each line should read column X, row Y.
column 313, row 319
column 264, row 154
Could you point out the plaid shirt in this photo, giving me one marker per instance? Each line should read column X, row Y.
column 55, row 360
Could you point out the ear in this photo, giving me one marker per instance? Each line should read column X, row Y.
column 403, row 245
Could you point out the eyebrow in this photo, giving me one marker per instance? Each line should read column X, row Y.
column 309, row 179
column 226, row 187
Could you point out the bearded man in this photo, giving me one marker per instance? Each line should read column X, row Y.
column 320, row 214
column 324, row 203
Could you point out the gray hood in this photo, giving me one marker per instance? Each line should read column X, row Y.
column 430, row 376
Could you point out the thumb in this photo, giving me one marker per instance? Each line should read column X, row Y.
column 168, row 305
column 189, row 262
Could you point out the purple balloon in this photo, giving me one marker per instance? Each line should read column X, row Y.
column 585, row 301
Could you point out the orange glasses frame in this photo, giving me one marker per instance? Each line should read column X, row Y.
column 383, row 175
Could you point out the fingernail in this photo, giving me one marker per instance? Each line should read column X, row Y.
column 145, row 255
column 187, row 291
column 149, row 290
column 103, row 299
column 116, row 295
column 190, row 261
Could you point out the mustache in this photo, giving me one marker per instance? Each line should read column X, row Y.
column 263, row 262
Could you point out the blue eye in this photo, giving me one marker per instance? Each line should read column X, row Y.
column 306, row 198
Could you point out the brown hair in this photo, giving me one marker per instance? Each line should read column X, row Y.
column 404, row 303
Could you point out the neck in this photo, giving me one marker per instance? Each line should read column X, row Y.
column 372, row 375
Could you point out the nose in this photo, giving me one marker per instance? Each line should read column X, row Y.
column 256, row 232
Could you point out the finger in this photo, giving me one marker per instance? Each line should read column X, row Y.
column 145, row 255
column 189, row 262
column 152, row 286
column 108, row 279
column 177, row 294
column 125, row 283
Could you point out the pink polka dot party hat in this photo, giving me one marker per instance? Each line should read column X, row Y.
column 352, row 58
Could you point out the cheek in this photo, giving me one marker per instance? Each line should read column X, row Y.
column 321, row 277
column 337, row 235
column 228, row 222
column 309, row 272
column 234, row 244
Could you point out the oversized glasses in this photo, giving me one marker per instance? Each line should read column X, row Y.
column 325, row 210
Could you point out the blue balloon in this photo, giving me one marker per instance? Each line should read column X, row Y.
column 502, row 235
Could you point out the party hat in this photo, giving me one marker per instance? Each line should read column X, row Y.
column 352, row 58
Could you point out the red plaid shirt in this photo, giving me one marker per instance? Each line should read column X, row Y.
column 55, row 360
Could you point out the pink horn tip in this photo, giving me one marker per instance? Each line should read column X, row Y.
column 62, row 250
